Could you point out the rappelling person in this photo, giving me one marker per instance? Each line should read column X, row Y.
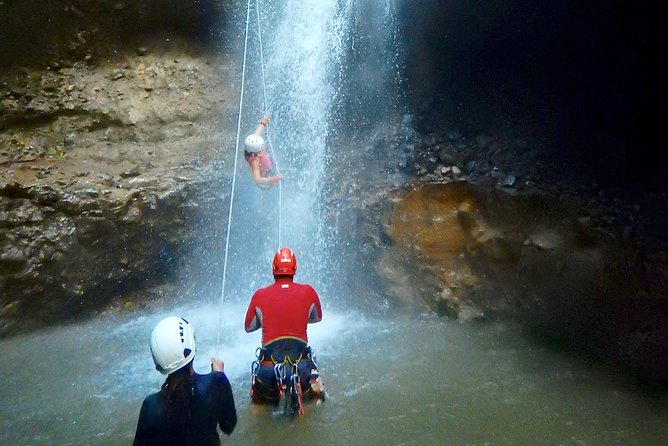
column 189, row 406
column 283, row 310
column 257, row 157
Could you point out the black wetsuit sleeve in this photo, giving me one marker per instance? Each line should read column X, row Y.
column 227, row 413
column 145, row 435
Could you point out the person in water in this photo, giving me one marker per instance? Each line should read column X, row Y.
column 257, row 157
column 189, row 406
column 283, row 310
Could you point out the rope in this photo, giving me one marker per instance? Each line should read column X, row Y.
column 236, row 156
column 234, row 179
column 270, row 145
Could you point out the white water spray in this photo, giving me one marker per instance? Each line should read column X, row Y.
column 307, row 54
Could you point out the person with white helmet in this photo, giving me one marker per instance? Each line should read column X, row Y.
column 189, row 406
column 283, row 310
column 257, row 157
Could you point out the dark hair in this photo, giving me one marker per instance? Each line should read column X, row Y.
column 179, row 389
column 248, row 155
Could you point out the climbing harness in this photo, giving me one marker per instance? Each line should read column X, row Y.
column 295, row 391
column 287, row 386
column 236, row 153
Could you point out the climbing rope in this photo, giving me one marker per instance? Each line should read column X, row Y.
column 234, row 178
column 236, row 153
column 269, row 143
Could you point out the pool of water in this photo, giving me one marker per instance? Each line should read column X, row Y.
column 404, row 380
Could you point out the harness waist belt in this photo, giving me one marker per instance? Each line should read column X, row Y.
column 281, row 349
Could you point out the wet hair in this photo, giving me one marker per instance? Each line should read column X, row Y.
column 179, row 389
column 248, row 155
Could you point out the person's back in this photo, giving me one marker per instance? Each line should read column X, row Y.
column 283, row 310
column 211, row 403
column 286, row 308
column 190, row 406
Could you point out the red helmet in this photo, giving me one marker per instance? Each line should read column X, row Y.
column 285, row 263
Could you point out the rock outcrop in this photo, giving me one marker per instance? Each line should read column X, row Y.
column 474, row 253
column 111, row 148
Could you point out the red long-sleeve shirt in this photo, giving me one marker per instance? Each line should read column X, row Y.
column 283, row 310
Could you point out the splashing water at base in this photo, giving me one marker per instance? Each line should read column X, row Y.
column 408, row 380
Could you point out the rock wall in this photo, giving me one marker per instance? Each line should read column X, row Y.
column 36, row 32
column 65, row 251
column 475, row 253
column 584, row 79
column 476, row 228
column 113, row 127
column 556, row 99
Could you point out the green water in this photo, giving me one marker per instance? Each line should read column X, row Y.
column 409, row 380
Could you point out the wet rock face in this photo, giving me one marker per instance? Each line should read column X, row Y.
column 64, row 252
column 57, row 33
column 424, row 225
column 476, row 253
column 112, row 119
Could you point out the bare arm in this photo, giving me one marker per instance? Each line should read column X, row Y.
column 315, row 312
column 262, row 126
column 253, row 319
column 217, row 365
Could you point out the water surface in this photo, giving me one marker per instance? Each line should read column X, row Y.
column 407, row 380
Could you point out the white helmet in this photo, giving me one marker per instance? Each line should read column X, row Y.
column 254, row 143
column 172, row 344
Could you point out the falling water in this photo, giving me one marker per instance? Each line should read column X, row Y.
column 303, row 49
column 304, row 57
column 398, row 379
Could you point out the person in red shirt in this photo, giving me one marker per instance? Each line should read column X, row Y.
column 283, row 310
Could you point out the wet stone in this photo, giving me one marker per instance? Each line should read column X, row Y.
column 135, row 171
column 69, row 140
column 13, row 255
column 92, row 193
column 509, row 181
column 134, row 215
column 446, row 157
column 71, row 204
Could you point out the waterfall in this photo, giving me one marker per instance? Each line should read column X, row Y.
column 312, row 53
